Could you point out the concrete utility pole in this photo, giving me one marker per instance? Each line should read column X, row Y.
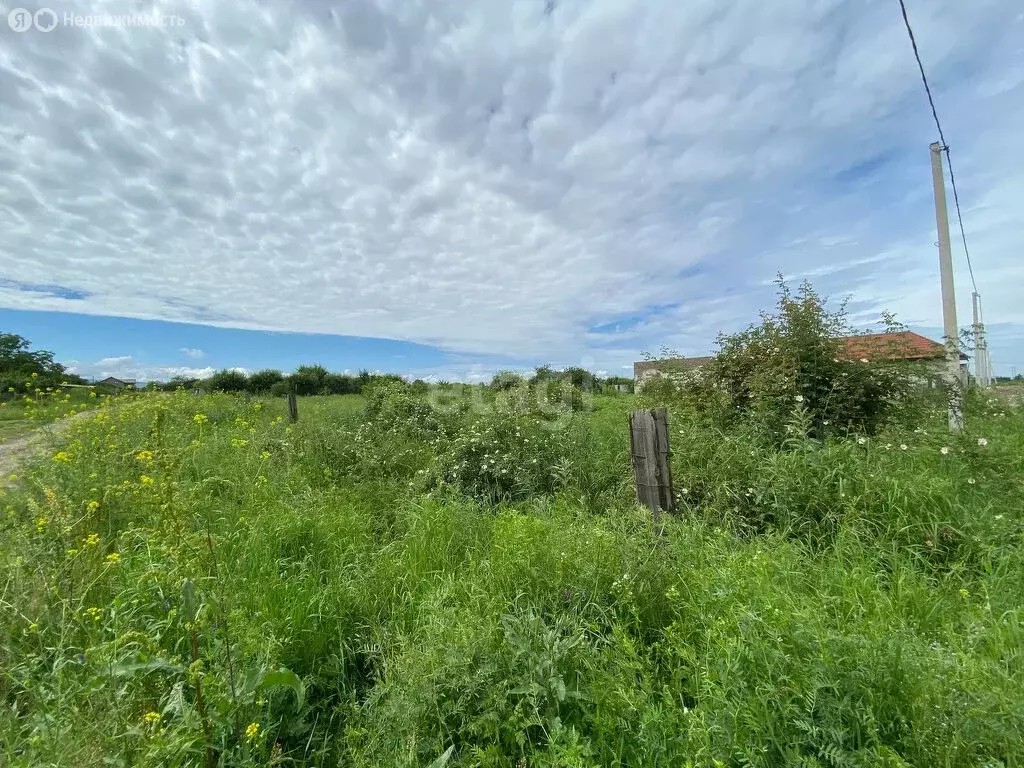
column 981, row 366
column 949, row 325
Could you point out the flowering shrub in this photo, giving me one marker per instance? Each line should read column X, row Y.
column 392, row 407
column 759, row 374
column 503, row 455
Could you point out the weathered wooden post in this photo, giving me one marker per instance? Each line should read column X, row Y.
column 293, row 408
column 648, row 445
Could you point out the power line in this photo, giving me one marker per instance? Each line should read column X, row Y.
column 942, row 138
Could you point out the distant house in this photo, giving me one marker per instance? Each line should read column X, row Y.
column 904, row 345
column 114, row 383
column 647, row 369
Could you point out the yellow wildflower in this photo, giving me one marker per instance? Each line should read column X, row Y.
column 237, row 442
column 91, row 540
column 146, row 480
column 113, row 558
column 200, row 418
column 265, row 455
column 146, row 456
column 72, row 552
column 93, row 505
column 964, row 593
column 35, row 375
column 41, row 523
column 62, row 456
column 152, row 717
column 252, row 730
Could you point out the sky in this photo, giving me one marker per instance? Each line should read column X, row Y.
column 444, row 189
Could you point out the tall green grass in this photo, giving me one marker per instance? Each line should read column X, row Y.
column 191, row 580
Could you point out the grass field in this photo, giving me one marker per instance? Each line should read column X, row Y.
column 190, row 580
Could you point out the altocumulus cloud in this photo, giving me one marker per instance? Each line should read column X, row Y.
column 544, row 179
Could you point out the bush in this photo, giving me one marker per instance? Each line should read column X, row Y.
column 281, row 388
column 262, row 382
column 393, row 407
column 309, row 379
column 505, row 455
column 506, row 380
column 340, row 384
column 794, row 357
column 227, row 380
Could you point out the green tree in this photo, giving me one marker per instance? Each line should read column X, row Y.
column 227, row 380
column 341, row 384
column 22, row 367
column 505, row 380
column 184, row 382
column 261, row 382
column 309, row 379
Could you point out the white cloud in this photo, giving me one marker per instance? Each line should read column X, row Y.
column 192, row 352
column 492, row 179
column 126, row 367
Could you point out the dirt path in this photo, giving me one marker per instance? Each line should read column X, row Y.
column 17, row 450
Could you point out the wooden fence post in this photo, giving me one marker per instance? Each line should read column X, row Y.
column 293, row 407
column 648, row 446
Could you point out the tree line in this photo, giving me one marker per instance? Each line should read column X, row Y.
column 579, row 378
column 305, row 380
column 23, row 369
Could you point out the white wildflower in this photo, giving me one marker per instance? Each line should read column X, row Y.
column 799, row 398
column 982, row 442
column 903, row 446
column 862, row 441
column 944, row 450
column 864, row 360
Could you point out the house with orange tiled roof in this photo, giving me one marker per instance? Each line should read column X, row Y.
column 903, row 345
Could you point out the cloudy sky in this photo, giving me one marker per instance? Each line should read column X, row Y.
column 442, row 187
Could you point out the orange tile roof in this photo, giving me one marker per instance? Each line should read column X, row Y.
column 904, row 345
